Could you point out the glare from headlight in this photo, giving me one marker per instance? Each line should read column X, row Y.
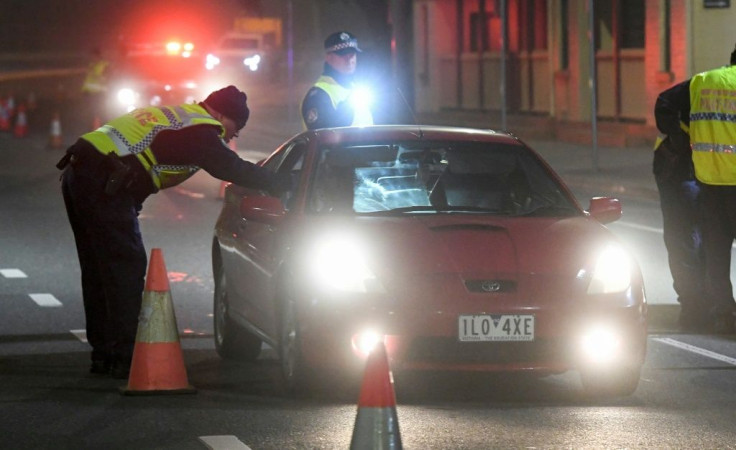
column 361, row 97
column 612, row 272
column 211, row 61
column 339, row 263
column 252, row 62
column 127, row 96
column 365, row 342
column 600, row 344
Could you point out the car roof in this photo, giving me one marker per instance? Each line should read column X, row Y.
column 410, row 133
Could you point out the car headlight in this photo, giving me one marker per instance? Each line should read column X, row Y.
column 211, row 61
column 612, row 272
column 252, row 62
column 600, row 344
column 339, row 263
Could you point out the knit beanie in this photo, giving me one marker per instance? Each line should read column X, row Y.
column 230, row 102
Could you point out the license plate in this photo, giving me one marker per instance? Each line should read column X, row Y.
column 496, row 327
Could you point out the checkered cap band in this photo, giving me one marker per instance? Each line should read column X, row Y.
column 352, row 43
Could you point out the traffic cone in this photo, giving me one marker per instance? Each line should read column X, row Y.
column 377, row 425
column 4, row 116
column 55, row 139
column 158, row 364
column 21, row 122
column 96, row 123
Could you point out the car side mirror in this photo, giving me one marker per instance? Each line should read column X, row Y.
column 605, row 209
column 262, row 208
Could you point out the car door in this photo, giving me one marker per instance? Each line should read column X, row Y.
column 257, row 242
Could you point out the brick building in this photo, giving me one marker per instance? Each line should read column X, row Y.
column 640, row 48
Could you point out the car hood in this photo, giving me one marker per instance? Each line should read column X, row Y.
column 446, row 252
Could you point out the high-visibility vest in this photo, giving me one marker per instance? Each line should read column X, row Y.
column 94, row 82
column 132, row 134
column 338, row 93
column 713, row 125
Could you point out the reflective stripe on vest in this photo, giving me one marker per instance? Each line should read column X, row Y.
column 713, row 125
column 132, row 134
column 338, row 94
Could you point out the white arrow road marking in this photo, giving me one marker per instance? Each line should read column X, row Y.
column 698, row 350
column 80, row 334
column 45, row 299
column 228, row 442
column 13, row 273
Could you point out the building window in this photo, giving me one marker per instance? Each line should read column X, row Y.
column 632, row 23
column 478, row 36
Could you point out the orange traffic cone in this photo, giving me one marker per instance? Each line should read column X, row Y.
column 158, row 364
column 4, row 116
column 21, row 122
column 55, row 139
column 377, row 425
column 96, row 123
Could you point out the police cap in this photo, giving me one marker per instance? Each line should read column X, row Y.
column 341, row 42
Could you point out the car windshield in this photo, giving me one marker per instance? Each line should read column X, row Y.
column 432, row 178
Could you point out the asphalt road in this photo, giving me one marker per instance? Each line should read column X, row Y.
column 685, row 399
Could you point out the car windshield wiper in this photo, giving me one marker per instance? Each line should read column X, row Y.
column 436, row 209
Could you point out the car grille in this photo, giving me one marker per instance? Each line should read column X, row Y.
column 449, row 350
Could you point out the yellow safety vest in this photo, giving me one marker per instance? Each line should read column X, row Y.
column 94, row 82
column 338, row 94
column 713, row 125
column 132, row 134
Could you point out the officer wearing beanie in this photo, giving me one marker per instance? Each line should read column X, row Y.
column 328, row 103
column 109, row 172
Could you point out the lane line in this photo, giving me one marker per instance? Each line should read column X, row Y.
column 224, row 442
column 46, row 300
column 80, row 334
column 698, row 350
column 640, row 227
column 13, row 273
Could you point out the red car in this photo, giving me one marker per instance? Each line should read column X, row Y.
column 461, row 249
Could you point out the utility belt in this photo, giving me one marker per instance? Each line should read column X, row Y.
column 119, row 172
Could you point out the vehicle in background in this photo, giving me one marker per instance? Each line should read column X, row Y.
column 153, row 74
column 250, row 51
column 461, row 249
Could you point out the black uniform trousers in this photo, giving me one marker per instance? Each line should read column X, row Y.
column 682, row 238
column 111, row 255
column 719, row 231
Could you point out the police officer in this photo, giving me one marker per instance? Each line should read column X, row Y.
column 678, row 197
column 707, row 99
column 333, row 101
column 94, row 86
column 109, row 172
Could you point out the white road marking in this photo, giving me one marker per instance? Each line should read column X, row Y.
column 13, row 273
column 698, row 350
column 640, row 227
column 228, row 442
column 80, row 334
column 45, row 299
